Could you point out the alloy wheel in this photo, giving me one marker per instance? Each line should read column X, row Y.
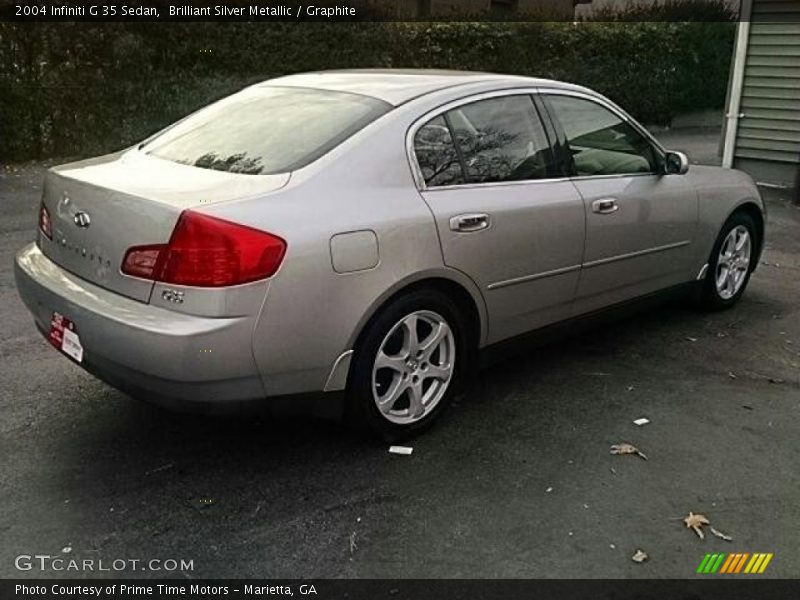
column 413, row 367
column 733, row 262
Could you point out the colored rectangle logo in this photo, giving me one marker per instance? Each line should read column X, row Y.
column 734, row 563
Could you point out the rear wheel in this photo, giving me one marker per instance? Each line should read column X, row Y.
column 407, row 365
column 730, row 264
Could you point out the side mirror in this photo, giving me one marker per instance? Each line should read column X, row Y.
column 677, row 163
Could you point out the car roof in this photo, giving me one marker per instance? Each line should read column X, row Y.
column 397, row 86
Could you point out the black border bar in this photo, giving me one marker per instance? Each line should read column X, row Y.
column 335, row 10
column 703, row 587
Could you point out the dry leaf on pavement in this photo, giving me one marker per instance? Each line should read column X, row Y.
column 627, row 449
column 696, row 522
column 639, row 556
column 720, row 535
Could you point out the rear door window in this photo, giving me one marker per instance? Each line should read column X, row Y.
column 502, row 139
column 437, row 155
column 266, row 130
column 494, row 140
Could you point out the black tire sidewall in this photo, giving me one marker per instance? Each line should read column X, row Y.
column 361, row 405
column 710, row 295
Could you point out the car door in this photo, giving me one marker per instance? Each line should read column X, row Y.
column 505, row 215
column 640, row 222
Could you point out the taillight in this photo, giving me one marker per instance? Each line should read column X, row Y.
column 205, row 251
column 45, row 225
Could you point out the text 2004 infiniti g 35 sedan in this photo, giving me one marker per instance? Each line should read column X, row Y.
column 368, row 231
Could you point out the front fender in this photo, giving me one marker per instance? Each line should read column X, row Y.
column 721, row 192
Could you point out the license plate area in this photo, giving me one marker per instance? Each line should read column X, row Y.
column 64, row 336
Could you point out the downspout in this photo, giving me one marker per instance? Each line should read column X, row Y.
column 737, row 83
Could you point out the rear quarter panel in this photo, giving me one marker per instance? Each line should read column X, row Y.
column 311, row 313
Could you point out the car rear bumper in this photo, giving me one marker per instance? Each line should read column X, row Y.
column 159, row 354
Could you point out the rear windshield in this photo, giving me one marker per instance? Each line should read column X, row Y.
column 266, row 130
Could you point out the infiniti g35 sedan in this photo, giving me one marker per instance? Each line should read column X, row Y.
column 369, row 232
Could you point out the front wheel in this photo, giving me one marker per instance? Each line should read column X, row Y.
column 730, row 264
column 407, row 365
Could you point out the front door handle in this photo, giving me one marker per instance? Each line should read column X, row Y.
column 605, row 206
column 470, row 222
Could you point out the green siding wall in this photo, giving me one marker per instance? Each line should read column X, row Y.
column 769, row 131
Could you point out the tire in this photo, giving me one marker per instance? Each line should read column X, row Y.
column 413, row 383
column 719, row 291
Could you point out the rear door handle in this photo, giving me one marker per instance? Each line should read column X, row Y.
column 470, row 222
column 605, row 206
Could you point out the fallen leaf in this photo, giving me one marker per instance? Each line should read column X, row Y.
column 731, row 374
column 720, row 535
column 627, row 449
column 639, row 556
column 353, row 545
column 692, row 339
column 159, row 469
column 641, row 421
column 696, row 523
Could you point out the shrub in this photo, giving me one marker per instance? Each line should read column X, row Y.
column 77, row 89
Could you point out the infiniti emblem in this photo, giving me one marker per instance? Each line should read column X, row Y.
column 82, row 219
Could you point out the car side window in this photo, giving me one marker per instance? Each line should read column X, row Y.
column 600, row 142
column 436, row 154
column 502, row 139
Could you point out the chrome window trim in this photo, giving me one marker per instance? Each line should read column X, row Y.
column 419, row 122
column 490, row 184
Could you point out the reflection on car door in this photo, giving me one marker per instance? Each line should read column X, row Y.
column 506, row 216
column 640, row 223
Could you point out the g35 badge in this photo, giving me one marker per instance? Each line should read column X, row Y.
column 172, row 296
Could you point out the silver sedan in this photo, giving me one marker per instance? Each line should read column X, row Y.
column 369, row 232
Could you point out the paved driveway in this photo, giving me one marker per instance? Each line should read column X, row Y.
column 517, row 481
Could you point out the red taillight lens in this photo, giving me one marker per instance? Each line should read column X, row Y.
column 208, row 252
column 45, row 225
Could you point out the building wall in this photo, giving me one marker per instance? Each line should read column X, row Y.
column 768, row 131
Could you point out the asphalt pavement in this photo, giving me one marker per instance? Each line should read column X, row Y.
column 516, row 480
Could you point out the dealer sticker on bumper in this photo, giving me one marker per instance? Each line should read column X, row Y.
column 64, row 336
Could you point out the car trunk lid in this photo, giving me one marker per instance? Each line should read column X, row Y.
column 102, row 207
